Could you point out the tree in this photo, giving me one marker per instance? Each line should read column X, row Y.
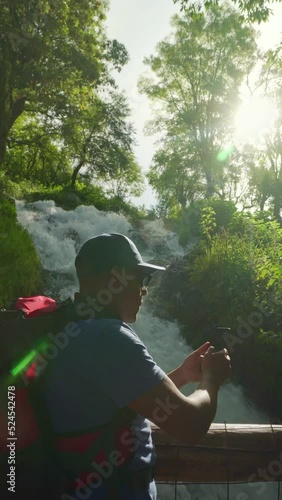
column 57, row 74
column 99, row 137
column 254, row 11
column 265, row 170
column 197, row 73
column 127, row 179
column 265, row 175
column 94, row 140
column 47, row 51
column 34, row 155
column 174, row 177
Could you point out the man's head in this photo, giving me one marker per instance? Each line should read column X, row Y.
column 111, row 270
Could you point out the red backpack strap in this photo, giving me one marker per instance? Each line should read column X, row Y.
column 77, row 450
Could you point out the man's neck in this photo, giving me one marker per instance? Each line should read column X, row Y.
column 92, row 309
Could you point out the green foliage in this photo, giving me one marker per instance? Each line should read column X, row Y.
column 126, row 181
column 267, row 353
column 230, row 279
column 196, row 77
column 60, row 110
column 268, row 257
column 85, row 194
column 18, row 190
column 70, row 199
column 232, row 276
column 8, row 210
column 208, row 222
column 89, row 194
column 189, row 222
column 258, row 362
column 47, row 50
column 99, row 139
column 227, row 272
column 265, row 172
column 254, row 11
column 20, row 270
column 34, row 156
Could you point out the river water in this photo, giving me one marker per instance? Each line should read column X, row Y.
column 57, row 235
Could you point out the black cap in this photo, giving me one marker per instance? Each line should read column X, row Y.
column 105, row 251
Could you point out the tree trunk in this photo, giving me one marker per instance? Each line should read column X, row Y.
column 75, row 173
column 9, row 110
column 210, row 186
column 5, row 98
column 82, row 159
column 277, row 202
column 262, row 203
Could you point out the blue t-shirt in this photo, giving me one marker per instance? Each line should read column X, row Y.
column 101, row 365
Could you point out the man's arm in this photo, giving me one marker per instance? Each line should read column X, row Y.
column 186, row 418
column 177, row 377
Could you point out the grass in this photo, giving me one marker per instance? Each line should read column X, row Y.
column 20, row 268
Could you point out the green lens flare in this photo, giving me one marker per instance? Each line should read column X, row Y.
column 23, row 363
column 225, row 153
column 28, row 358
column 41, row 347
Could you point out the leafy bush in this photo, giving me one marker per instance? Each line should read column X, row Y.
column 268, row 353
column 232, row 277
column 188, row 223
column 211, row 286
column 85, row 195
column 8, row 210
column 232, row 269
column 258, row 362
column 18, row 190
column 225, row 274
column 20, row 270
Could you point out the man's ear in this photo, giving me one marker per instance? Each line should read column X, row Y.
column 92, row 284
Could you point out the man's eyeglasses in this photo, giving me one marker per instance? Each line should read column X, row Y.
column 145, row 279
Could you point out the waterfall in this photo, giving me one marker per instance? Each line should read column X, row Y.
column 58, row 234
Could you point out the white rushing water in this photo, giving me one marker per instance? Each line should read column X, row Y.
column 57, row 235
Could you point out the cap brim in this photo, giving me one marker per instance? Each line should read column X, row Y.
column 150, row 268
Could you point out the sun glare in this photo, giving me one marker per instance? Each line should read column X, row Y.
column 253, row 119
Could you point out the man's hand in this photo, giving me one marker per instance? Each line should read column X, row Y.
column 216, row 366
column 190, row 370
column 191, row 366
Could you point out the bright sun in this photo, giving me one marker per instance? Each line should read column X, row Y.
column 254, row 117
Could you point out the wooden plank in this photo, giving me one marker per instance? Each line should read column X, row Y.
column 228, row 453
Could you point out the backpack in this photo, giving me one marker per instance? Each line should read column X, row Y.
column 34, row 461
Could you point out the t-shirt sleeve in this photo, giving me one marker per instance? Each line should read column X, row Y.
column 128, row 371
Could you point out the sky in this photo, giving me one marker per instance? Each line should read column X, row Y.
column 140, row 25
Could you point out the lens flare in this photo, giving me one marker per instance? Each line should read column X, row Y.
column 23, row 363
column 254, row 118
column 225, row 153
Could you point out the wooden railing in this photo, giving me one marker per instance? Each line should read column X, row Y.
column 228, row 453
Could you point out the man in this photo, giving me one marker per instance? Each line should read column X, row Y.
column 105, row 375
